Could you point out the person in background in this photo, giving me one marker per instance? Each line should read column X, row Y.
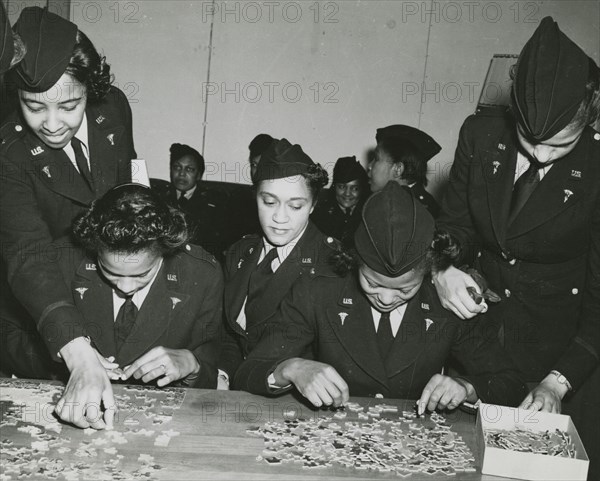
column 380, row 330
column 339, row 214
column 203, row 208
column 524, row 203
column 12, row 49
column 69, row 143
column 257, row 147
column 401, row 155
column 260, row 270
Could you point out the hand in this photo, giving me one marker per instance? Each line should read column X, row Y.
column 546, row 396
column 171, row 364
column 318, row 382
column 88, row 390
column 113, row 371
column 443, row 392
column 451, row 286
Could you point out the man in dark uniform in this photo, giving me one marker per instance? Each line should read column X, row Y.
column 254, row 286
column 401, row 155
column 379, row 331
column 204, row 209
column 53, row 166
column 524, row 198
column 339, row 214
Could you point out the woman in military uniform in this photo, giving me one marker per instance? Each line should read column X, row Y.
column 68, row 144
column 339, row 214
column 380, row 330
column 260, row 270
column 524, row 198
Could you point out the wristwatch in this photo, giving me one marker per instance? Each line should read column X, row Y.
column 562, row 379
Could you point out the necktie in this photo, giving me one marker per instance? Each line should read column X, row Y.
column 258, row 284
column 125, row 321
column 385, row 337
column 183, row 202
column 81, row 161
column 522, row 190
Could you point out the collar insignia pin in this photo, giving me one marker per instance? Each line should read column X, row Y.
column 428, row 323
column 568, row 193
column 100, row 119
column 496, row 164
column 425, row 306
column 251, row 250
column 46, row 170
column 175, row 301
column 306, row 260
column 347, row 301
column 240, row 263
column 37, row 151
column 172, row 277
column 343, row 316
column 90, row 267
column 81, row 291
column 576, row 174
column 501, row 146
column 111, row 138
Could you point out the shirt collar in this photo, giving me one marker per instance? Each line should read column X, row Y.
column 188, row 193
column 284, row 251
column 82, row 133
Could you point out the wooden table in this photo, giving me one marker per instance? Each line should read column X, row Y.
column 208, row 436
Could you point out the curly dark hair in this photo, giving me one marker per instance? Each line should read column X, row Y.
column 443, row 252
column 316, row 178
column 130, row 218
column 90, row 68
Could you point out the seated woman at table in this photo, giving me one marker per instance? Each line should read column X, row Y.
column 260, row 270
column 151, row 302
column 381, row 330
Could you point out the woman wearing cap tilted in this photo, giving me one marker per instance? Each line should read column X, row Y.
column 339, row 214
column 380, row 330
column 524, row 193
column 260, row 270
column 70, row 142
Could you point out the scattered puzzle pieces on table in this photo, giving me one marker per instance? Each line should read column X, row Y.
column 550, row 443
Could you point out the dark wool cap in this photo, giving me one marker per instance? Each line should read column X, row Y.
column 418, row 139
column 395, row 233
column 49, row 39
column 282, row 159
column 348, row 169
column 6, row 41
column 550, row 80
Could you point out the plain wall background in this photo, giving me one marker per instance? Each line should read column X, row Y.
column 323, row 74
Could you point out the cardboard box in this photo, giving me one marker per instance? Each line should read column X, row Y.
column 514, row 464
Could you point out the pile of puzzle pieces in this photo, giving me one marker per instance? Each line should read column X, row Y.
column 550, row 443
column 382, row 439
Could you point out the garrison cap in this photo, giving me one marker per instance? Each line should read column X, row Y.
column 396, row 231
column 549, row 85
column 402, row 134
column 6, row 41
column 348, row 169
column 49, row 40
column 282, row 159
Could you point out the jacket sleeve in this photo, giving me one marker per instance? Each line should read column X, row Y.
column 486, row 365
column 206, row 331
column 125, row 114
column 289, row 333
column 581, row 356
column 31, row 258
column 455, row 216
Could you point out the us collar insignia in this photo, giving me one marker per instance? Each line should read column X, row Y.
column 424, row 306
column 175, row 301
column 90, row 267
column 428, row 323
column 501, row 146
column 111, row 138
column 81, row 291
column 343, row 316
column 37, row 151
column 576, row 174
column 172, row 277
column 347, row 301
column 100, row 119
column 568, row 193
column 46, row 170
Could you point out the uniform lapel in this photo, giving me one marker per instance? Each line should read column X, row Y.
column 93, row 299
column 163, row 302
column 104, row 135
column 498, row 170
column 419, row 330
column 56, row 171
column 236, row 289
column 561, row 188
column 352, row 323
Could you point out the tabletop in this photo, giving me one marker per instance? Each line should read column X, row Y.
column 184, row 434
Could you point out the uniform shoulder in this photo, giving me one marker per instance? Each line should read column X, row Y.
column 494, row 118
column 195, row 253
column 11, row 131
